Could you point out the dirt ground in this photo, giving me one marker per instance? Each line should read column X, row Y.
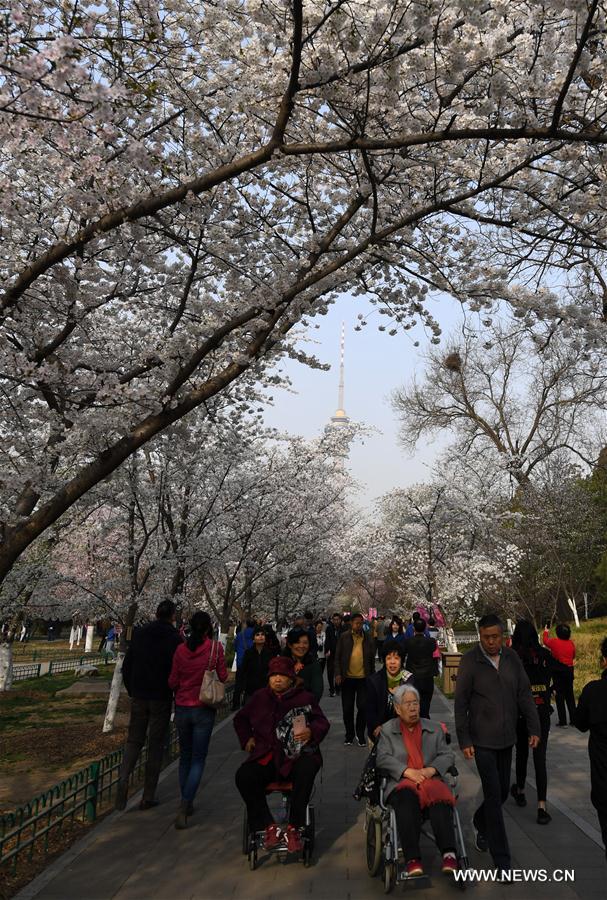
column 45, row 736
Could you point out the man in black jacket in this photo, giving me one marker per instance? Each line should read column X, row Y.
column 354, row 662
column 332, row 634
column 420, row 661
column 490, row 689
column 146, row 670
column 591, row 715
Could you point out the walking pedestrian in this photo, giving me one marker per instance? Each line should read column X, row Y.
column 334, row 630
column 254, row 674
column 591, row 715
column 538, row 665
column 354, row 662
column 145, row 671
column 420, row 661
column 243, row 641
column 194, row 719
column 321, row 639
column 490, row 690
column 563, row 650
column 307, row 667
column 380, row 636
column 395, row 629
column 382, row 684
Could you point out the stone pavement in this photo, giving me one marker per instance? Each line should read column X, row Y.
column 140, row 856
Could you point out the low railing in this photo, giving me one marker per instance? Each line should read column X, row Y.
column 78, row 798
column 46, row 651
column 22, row 671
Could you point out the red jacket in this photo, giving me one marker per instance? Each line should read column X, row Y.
column 563, row 651
column 188, row 668
column 260, row 717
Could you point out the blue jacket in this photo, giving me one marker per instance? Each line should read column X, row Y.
column 242, row 642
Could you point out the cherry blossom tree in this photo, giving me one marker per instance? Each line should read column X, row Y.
column 180, row 186
column 447, row 548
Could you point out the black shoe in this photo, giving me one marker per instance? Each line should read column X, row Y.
column 122, row 795
column 348, row 742
column 331, row 693
column 148, row 804
column 543, row 817
column 519, row 797
column 480, row 841
column 360, row 743
column 561, row 724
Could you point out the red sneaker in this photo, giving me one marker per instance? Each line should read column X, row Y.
column 414, row 867
column 273, row 837
column 449, row 864
column 293, row 840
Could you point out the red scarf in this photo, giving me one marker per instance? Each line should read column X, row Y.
column 432, row 790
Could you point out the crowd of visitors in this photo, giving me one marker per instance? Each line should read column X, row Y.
column 502, row 704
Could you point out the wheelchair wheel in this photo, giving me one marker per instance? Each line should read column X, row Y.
column 253, row 858
column 311, row 830
column 373, row 846
column 245, row 835
column 389, row 877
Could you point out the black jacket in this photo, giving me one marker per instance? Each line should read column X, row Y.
column 488, row 700
column 331, row 638
column 379, row 708
column 419, row 650
column 344, row 652
column 254, row 669
column 591, row 715
column 148, row 661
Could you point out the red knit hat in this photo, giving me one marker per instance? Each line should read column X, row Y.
column 281, row 665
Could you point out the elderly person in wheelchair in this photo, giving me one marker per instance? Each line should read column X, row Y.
column 280, row 728
column 414, row 757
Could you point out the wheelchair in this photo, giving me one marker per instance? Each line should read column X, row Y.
column 253, row 842
column 383, row 843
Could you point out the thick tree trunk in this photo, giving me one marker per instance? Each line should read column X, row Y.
column 90, row 634
column 112, row 704
column 6, row 666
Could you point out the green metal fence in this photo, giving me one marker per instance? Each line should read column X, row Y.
column 23, row 671
column 78, row 798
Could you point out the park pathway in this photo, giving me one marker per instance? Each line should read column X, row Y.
column 140, row 856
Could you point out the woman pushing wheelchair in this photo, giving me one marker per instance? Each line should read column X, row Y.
column 414, row 757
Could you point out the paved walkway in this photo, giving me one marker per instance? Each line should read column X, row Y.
column 140, row 856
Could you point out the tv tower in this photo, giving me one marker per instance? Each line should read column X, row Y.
column 340, row 417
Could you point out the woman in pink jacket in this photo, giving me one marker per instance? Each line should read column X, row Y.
column 194, row 720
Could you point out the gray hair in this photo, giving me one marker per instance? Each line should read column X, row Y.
column 398, row 694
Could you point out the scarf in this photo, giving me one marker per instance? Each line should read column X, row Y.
column 431, row 791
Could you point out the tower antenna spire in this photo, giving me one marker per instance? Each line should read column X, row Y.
column 340, row 414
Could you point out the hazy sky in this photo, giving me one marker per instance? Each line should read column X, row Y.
column 376, row 364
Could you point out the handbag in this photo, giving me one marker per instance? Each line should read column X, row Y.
column 212, row 690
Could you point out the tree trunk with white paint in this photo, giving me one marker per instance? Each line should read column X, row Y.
column 573, row 608
column 6, row 666
column 112, row 704
column 90, row 634
column 451, row 642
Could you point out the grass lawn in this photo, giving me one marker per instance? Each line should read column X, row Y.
column 46, row 735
